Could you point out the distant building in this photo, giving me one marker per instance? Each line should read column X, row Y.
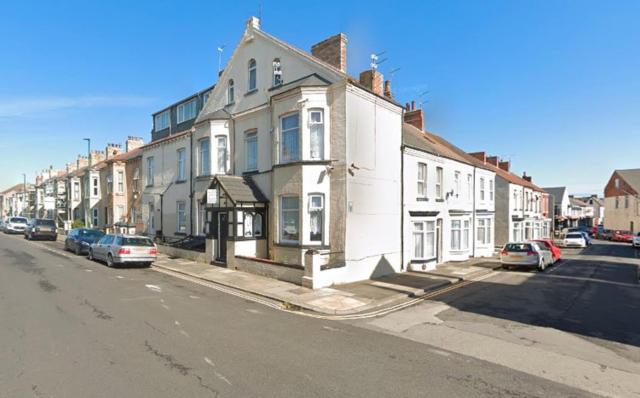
column 622, row 201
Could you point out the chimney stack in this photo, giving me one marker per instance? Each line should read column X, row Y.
column 413, row 116
column 526, row 177
column 97, row 157
column 373, row 80
column 81, row 162
column 133, row 143
column 70, row 167
column 332, row 51
column 506, row 166
column 493, row 160
column 481, row 156
column 112, row 150
column 253, row 23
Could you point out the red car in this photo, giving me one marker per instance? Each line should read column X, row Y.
column 622, row 236
column 555, row 250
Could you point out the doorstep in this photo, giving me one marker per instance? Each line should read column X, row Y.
column 348, row 299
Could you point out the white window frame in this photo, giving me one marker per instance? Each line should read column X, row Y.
column 482, row 187
column 182, row 164
column 252, row 73
column 292, row 157
column 317, row 211
column 277, row 73
column 251, row 139
column 187, row 110
column 491, row 190
column 483, row 234
column 421, row 185
column 456, row 180
column 120, row 175
column 316, row 127
column 162, row 120
column 76, row 190
column 439, row 182
column 469, row 186
column 456, row 231
column 222, row 153
column 181, row 216
column 231, row 92
column 282, row 216
column 150, row 171
column 204, row 162
column 96, row 186
column 427, row 234
column 95, row 217
column 466, row 234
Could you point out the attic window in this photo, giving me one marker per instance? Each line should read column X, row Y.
column 230, row 92
column 252, row 75
column 277, row 72
column 617, row 183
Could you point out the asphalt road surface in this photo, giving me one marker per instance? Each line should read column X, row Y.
column 74, row 328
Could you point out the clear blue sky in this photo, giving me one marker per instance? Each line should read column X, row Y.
column 552, row 85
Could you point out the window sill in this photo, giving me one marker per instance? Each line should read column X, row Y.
column 422, row 199
column 180, row 234
column 250, row 92
column 302, row 163
column 230, row 104
column 180, row 181
column 440, row 200
column 296, row 245
column 250, row 172
column 423, row 260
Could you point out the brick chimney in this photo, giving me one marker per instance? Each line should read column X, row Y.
column 526, row 177
column 133, row 143
column 71, row 167
column 413, row 116
column 506, row 166
column 373, row 80
column 481, row 156
column 97, row 157
column 81, row 162
column 493, row 160
column 332, row 51
column 112, row 150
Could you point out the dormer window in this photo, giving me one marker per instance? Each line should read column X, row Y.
column 277, row 72
column 253, row 78
column 230, row 92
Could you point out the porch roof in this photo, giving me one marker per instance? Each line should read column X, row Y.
column 240, row 189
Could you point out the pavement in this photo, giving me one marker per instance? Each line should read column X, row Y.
column 576, row 323
column 75, row 328
column 348, row 299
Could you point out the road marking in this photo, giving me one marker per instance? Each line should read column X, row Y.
column 119, row 276
column 184, row 333
column 154, row 288
column 210, row 362
column 166, row 307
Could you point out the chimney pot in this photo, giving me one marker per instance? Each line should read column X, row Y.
column 415, row 118
column 387, row 89
column 413, row 105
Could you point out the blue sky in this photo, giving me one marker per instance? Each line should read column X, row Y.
column 551, row 85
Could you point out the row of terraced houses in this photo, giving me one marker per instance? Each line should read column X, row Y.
column 290, row 167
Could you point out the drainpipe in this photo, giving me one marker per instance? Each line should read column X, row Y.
column 191, row 180
column 475, row 220
column 402, row 202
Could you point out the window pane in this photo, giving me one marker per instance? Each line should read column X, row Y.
column 290, row 219
column 418, row 245
column 316, row 134
column 290, row 138
column 222, row 154
column 252, row 151
column 315, row 226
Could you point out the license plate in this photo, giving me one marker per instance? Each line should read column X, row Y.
column 517, row 256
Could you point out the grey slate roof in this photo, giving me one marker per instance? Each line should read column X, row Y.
column 241, row 189
column 631, row 177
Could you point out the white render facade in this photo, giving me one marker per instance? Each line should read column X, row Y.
column 324, row 154
column 448, row 206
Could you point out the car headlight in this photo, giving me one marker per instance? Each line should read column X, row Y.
column 84, row 243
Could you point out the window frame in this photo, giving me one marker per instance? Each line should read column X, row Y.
column 204, row 168
column 281, row 216
column 482, row 188
column 252, row 73
column 150, row 171
column 225, row 157
column 181, row 221
column 164, row 116
column 276, row 71
column 182, row 115
column 182, row 164
column 231, row 92
column 320, row 126
column 297, row 156
column 427, row 234
column 120, row 175
column 439, row 182
column 422, row 193
column 251, row 138
column 316, row 211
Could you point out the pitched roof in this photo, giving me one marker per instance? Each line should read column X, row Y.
column 557, row 192
column 16, row 188
column 577, row 202
column 631, row 177
column 165, row 139
column 241, row 189
column 414, row 138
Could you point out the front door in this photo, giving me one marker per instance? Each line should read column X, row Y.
column 223, row 233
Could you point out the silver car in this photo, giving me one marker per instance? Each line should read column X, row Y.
column 15, row 225
column 526, row 254
column 124, row 249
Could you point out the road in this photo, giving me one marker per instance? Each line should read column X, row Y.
column 73, row 328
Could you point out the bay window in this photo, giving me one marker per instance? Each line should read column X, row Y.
column 289, row 219
column 517, row 232
column 424, row 239
column 204, row 157
column 316, row 133
column 120, row 181
column 484, row 231
column 465, row 234
column 456, row 232
column 221, row 142
column 290, row 138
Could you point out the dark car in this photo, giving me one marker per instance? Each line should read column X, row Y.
column 80, row 239
column 41, row 228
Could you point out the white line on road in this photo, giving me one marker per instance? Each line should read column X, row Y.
column 154, row 288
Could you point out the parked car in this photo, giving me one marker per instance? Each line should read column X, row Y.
column 2, row 221
column 622, row 236
column 604, row 234
column 527, row 254
column 15, row 225
column 124, row 249
column 79, row 240
column 636, row 241
column 41, row 228
column 587, row 238
column 556, row 253
column 574, row 239
column 586, row 230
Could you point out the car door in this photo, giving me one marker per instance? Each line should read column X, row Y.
column 100, row 251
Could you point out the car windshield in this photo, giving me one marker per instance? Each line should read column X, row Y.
column 18, row 220
column 137, row 242
column 90, row 233
column 575, row 236
column 517, row 247
column 49, row 223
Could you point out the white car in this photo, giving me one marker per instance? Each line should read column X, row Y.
column 15, row 225
column 636, row 241
column 527, row 254
column 574, row 239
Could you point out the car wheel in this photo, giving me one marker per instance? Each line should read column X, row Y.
column 541, row 266
column 90, row 255
column 110, row 262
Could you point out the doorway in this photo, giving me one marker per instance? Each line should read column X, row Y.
column 223, row 234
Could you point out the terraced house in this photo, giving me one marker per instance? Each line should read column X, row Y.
column 306, row 161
